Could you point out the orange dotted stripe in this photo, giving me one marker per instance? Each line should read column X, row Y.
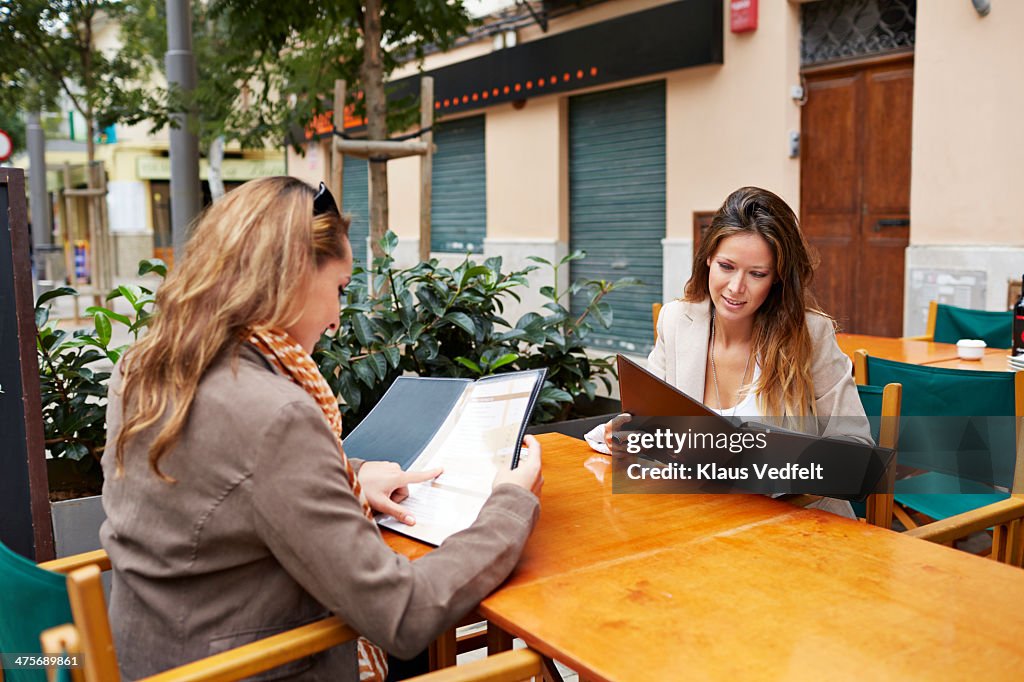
column 512, row 88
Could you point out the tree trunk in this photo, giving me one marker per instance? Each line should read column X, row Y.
column 376, row 121
column 90, row 141
column 216, row 163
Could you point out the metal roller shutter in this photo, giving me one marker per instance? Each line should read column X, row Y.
column 458, row 205
column 617, row 204
column 355, row 202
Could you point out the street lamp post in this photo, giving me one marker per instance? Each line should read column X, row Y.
column 184, row 143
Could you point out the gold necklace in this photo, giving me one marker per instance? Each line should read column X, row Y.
column 714, row 372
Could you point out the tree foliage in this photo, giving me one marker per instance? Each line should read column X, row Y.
column 12, row 124
column 315, row 43
column 49, row 50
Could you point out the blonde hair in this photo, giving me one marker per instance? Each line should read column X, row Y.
column 782, row 341
column 244, row 266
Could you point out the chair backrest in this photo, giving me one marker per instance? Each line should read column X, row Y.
column 655, row 314
column 31, row 600
column 957, row 422
column 882, row 407
column 995, row 328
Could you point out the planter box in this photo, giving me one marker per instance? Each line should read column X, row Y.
column 76, row 528
column 76, row 525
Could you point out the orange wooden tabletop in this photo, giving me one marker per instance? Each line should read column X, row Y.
column 993, row 360
column 901, row 350
column 668, row 587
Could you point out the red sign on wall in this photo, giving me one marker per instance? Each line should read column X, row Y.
column 742, row 15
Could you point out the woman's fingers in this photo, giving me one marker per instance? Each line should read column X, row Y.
column 421, row 476
column 387, row 506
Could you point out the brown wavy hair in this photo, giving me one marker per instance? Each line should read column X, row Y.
column 782, row 342
column 244, row 267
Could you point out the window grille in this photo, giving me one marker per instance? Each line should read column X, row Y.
column 845, row 29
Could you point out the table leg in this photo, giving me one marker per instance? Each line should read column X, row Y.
column 550, row 671
column 497, row 640
column 443, row 650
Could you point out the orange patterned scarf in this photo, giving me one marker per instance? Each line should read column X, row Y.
column 292, row 360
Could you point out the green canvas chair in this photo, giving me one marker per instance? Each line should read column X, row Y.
column 949, row 324
column 882, row 407
column 32, row 599
column 964, row 458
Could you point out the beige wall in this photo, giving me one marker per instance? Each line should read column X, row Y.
column 314, row 166
column 525, row 170
column 728, row 125
column 404, row 197
column 968, row 138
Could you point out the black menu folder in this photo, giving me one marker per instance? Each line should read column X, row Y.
column 850, row 469
column 469, row 428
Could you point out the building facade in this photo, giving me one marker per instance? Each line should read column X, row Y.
column 618, row 127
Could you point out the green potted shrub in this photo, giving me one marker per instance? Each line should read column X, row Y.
column 436, row 321
column 73, row 373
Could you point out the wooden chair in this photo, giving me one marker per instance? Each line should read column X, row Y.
column 655, row 314
column 928, row 500
column 882, row 406
column 949, row 324
column 90, row 636
column 33, row 598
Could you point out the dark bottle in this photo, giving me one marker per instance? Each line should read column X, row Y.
column 1018, row 324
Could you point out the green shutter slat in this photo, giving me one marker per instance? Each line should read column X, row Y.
column 356, row 203
column 617, row 204
column 458, row 205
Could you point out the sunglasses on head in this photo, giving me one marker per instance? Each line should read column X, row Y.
column 323, row 202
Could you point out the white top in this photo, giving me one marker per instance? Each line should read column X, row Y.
column 746, row 407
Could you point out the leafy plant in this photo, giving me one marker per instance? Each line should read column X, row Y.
column 74, row 368
column 435, row 321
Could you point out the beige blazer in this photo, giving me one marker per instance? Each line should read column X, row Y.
column 680, row 358
column 262, row 533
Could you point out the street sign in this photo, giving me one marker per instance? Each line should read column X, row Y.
column 6, row 146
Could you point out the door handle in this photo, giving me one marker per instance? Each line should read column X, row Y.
column 891, row 222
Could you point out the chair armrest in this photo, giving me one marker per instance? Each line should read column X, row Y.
column 262, row 655
column 234, row 664
column 510, row 666
column 60, row 641
column 70, row 563
column 974, row 521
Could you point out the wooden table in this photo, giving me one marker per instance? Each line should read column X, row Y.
column 901, row 350
column 993, row 360
column 706, row 587
column 920, row 352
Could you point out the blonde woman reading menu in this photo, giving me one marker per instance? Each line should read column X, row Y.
column 747, row 336
column 233, row 512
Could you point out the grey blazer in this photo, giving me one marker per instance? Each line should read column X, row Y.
column 680, row 358
column 261, row 532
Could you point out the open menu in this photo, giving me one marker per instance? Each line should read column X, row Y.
column 847, row 468
column 471, row 429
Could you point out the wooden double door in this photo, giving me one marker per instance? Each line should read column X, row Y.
column 855, row 190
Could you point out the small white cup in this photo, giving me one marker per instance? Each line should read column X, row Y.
column 970, row 349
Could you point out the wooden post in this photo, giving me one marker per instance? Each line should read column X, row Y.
column 426, row 162
column 25, row 524
column 337, row 158
column 95, row 241
column 391, row 149
column 70, row 230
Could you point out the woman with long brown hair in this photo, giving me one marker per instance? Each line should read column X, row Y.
column 233, row 512
column 748, row 337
